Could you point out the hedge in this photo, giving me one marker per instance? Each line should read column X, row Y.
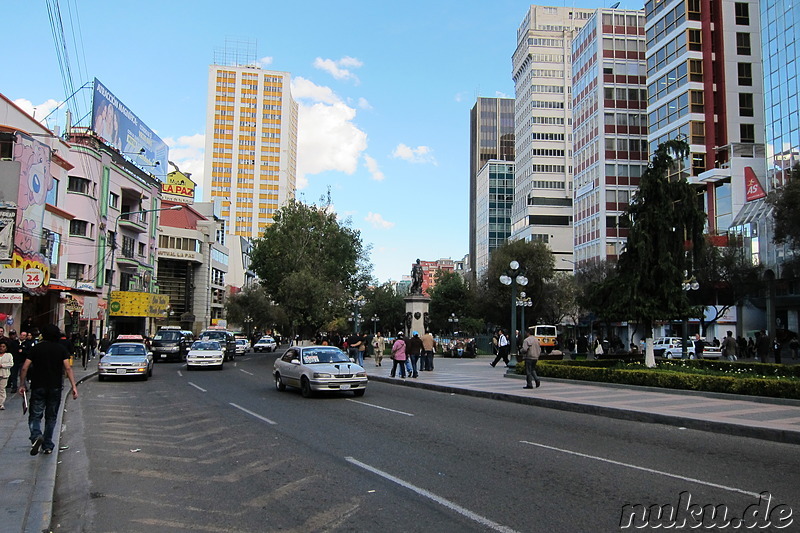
column 780, row 386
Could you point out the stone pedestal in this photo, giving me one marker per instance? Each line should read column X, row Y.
column 416, row 314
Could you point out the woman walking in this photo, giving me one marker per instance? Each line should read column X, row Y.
column 6, row 362
column 399, row 356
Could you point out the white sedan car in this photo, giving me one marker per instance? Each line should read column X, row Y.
column 205, row 353
column 265, row 344
column 317, row 369
column 242, row 345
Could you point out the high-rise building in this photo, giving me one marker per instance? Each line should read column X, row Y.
column 251, row 145
column 542, row 74
column 494, row 188
column 610, row 129
column 491, row 139
column 705, row 85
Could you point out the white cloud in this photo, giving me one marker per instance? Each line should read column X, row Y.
column 459, row 97
column 364, row 104
column 37, row 111
column 187, row 152
column 420, row 154
column 336, row 67
column 373, row 168
column 328, row 140
column 501, row 94
column 264, row 62
column 377, row 221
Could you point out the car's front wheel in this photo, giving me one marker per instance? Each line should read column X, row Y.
column 279, row 383
column 305, row 387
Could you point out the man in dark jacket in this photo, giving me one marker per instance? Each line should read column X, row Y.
column 15, row 349
column 698, row 346
column 414, row 349
column 50, row 361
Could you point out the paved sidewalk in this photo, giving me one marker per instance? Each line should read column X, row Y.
column 762, row 418
column 27, row 482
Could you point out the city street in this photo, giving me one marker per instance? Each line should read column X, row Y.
column 225, row 452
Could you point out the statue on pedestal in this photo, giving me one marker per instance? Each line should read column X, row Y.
column 416, row 279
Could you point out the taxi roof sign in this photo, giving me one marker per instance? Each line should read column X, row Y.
column 130, row 338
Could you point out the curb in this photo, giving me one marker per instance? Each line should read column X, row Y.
column 776, row 435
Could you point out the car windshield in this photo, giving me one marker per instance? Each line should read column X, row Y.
column 126, row 349
column 241, row 341
column 324, row 355
column 544, row 331
column 167, row 336
column 215, row 335
column 206, row 345
column 265, row 339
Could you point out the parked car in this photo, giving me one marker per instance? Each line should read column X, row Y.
column 205, row 353
column 242, row 345
column 319, row 368
column 265, row 344
column 710, row 351
column 171, row 343
column 126, row 357
column 672, row 347
column 225, row 339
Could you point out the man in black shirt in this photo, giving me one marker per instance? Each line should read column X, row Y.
column 50, row 361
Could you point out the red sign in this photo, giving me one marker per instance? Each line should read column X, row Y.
column 753, row 188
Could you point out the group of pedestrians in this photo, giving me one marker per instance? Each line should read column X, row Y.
column 414, row 355
column 12, row 355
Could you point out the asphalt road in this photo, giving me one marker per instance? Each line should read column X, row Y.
column 224, row 451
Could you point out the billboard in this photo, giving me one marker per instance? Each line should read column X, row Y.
column 178, row 188
column 119, row 127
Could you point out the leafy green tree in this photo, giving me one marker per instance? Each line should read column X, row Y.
column 726, row 276
column 561, row 299
column 387, row 305
column 309, row 263
column 449, row 295
column 253, row 302
column 536, row 263
column 665, row 239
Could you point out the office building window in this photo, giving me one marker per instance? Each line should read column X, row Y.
column 745, row 74
column 742, row 12
column 746, row 104
column 78, row 184
column 743, row 44
column 748, row 133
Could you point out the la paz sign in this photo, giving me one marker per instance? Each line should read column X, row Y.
column 178, row 188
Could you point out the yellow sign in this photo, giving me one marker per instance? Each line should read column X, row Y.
column 178, row 187
column 140, row 304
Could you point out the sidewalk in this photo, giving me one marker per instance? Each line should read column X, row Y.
column 772, row 419
column 26, row 500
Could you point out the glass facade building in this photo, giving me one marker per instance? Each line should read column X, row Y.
column 491, row 138
column 495, row 195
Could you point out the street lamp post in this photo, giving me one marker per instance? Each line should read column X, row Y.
column 513, row 277
column 689, row 284
column 375, row 319
column 248, row 320
column 114, row 250
column 523, row 301
column 453, row 319
column 358, row 302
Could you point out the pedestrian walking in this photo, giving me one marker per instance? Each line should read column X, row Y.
column 531, row 350
column 399, row 356
column 50, row 360
column 14, row 347
column 414, row 348
column 729, row 347
column 428, row 349
column 6, row 362
column 353, row 342
column 502, row 349
column 698, row 347
column 380, row 345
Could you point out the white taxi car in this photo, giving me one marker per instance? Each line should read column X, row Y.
column 126, row 357
column 205, row 353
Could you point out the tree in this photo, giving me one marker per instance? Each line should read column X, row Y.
column 536, row 263
column 253, row 302
column 449, row 295
column 726, row 276
column 561, row 299
column 665, row 239
column 309, row 263
column 387, row 305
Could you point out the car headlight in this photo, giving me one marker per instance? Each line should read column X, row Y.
column 322, row 375
column 361, row 374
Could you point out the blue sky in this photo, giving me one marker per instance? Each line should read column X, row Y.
column 385, row 92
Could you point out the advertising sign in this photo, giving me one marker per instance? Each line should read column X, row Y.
column 121, row 128
column 178, row 188
column 10, row 298
column 8, row 216
column 753, row 188
column 139, row 304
